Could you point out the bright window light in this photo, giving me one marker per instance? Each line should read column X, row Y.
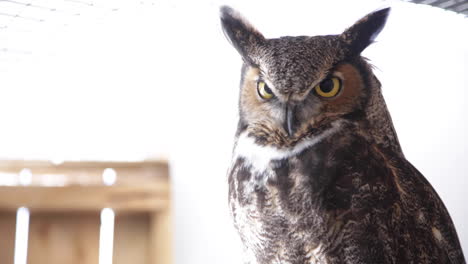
column 8, row 179
column 109, row 176
column 25, row 177
column 21, row 236
column 106, row 236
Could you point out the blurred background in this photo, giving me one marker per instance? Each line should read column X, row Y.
column 117, row 119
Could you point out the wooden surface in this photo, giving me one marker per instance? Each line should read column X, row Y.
column 7, row 236
column 161, row 237
column 144, row 198
column 87, row 173
column 132, row 239
column 79, row 165
column 64, row 238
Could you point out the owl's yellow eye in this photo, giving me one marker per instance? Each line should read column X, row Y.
column 329, row 87
column 264, row 91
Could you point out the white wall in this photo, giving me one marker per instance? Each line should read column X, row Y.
column 161, row 80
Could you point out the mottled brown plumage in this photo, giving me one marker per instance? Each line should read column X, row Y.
column 318, row 175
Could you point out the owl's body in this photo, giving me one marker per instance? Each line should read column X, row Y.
column 318, row 175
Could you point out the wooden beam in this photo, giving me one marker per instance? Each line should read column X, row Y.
column 19, row 164
column 143, row 198
column 45, row 173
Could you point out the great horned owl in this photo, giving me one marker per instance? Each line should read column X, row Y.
column 318, row 174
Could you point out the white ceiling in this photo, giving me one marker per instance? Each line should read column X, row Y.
column 27, row 27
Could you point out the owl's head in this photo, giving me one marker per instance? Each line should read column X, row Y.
column 293, row 85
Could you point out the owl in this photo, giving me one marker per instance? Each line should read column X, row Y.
column 318, row 174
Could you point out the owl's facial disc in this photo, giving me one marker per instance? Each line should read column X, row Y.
column 308, row 82
column 265, row 93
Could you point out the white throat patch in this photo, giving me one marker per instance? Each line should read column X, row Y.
column 260, row 156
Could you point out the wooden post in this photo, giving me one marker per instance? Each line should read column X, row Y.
column 161, row 237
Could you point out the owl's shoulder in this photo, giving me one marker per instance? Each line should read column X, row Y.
column 401, row 194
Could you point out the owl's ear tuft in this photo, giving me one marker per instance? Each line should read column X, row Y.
column 240, row 33
column 363, row 32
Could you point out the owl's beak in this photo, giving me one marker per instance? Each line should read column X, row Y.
column 289, row 122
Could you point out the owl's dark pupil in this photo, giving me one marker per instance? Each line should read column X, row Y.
column 267, row 89
column 326, row 86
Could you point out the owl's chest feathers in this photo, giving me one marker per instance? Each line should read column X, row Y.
column 266, row 170
column 297, row 202
column 277, row 193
